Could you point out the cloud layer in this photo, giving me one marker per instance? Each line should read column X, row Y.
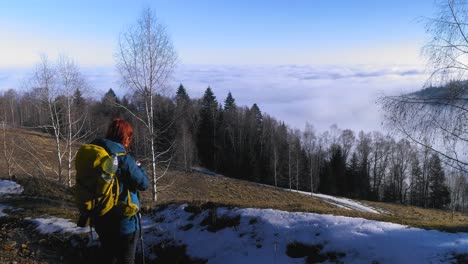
column 296, row 94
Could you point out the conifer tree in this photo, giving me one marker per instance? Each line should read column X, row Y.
column 207, row 130
column 109, row 101
column 352, row 175
column 416, row 193
column 181, row 96
column 439, row 193
column 332, row 180
column 229, row 135
column 253, row 149
column 78, row 99
column 229, row 103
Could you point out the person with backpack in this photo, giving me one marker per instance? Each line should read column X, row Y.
column 116, row 224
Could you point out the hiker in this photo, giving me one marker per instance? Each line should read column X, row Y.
column 118, row 228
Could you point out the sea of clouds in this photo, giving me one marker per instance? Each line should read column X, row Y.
column 319, row 94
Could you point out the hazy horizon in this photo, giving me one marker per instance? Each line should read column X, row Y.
column 302, row 61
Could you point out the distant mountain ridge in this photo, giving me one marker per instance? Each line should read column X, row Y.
column 457, row 89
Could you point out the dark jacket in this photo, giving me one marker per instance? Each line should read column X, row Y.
column 132, row 178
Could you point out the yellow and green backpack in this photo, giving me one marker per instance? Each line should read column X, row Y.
column 97, row 187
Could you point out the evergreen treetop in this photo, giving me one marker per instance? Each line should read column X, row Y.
column 181, row 94
column 229, row 103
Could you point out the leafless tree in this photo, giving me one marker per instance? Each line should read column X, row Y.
column 424, row 156
column 347, row 139
column 437, row 117
column 457, row 184
column 296, row 133
column 53, row 86
column 8, row 150
column 293, row 137
column 7, row 114
column 9, row 107
column 380, row 157
column 145, row 60
column 45, row 83
column 310, row 144
column 400, row 162
column 447, row 49
column 70, row 80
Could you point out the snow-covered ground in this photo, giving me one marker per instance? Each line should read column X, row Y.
column 56, row 225
column 65, row 229
column 340, row 202
column 8, row 188
column 43, row 225
column 346, row 203
column 264, row 234
column 343, row 202
column 50, row 225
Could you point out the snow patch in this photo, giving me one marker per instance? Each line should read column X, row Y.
column 263, row 236
column 10, row 187
column 347, row 203
column 56, row 225
column 344, row 203
column 4, row 207
column 340, row 202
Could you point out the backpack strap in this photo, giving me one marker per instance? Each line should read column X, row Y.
column 121, row 154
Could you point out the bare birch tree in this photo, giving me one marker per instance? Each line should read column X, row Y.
column 145, row 60
column 8, row 150
column 71, row 80
column 309, row 142
column 45, row 83
column 380, row 156
column 437, row 117
column 54, row 86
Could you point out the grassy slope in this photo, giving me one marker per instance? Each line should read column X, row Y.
column 197, row 188
column 46, row 196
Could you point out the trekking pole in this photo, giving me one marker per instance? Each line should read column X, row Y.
column 141, row 240
column 141, row 234
column 91, row 233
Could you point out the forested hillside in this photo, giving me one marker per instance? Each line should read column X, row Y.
column 239, row 142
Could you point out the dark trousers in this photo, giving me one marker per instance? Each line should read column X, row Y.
column 116, row 248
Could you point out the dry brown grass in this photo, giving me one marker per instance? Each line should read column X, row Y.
column 423, row 218
column 33, row 153
column 43, row 195
column 198, row 188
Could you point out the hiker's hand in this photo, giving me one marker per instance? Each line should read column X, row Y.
column 138, row 163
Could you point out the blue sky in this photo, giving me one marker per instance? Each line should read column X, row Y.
column 222, row 32
column 275, row 48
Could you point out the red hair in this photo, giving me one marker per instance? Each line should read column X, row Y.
column 120, row 131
